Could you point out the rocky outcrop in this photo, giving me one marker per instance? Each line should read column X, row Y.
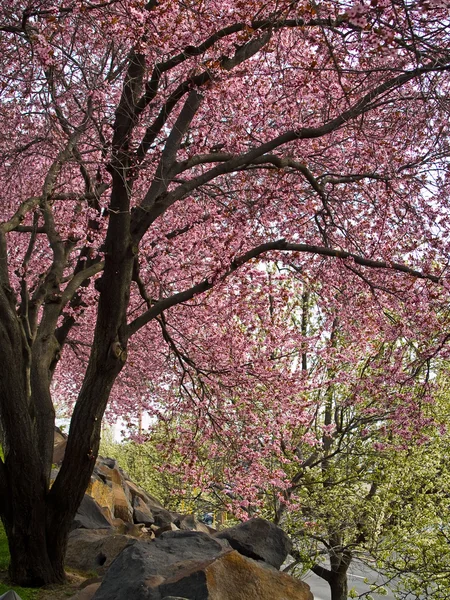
column 90, row 515
column 142, row 513
column 93, row 551
column 146, row 552
column 194, row 566
column 232, row 577
column 142, row 567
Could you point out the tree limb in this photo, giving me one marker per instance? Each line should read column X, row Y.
column 278, row 245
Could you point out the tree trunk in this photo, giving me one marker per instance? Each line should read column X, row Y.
column 339, row 586
column 37, row 519
column 336, row 576
column 34, row 560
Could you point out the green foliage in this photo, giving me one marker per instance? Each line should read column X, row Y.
column 24, row 593
column 384, row 502
column 145, row 464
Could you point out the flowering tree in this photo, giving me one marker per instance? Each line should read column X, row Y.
column 154, row 155
column 371, row 490
column 351, row 463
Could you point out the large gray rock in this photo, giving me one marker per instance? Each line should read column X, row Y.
column 141, row 568
column 94, row 551
column 228, row 576
column 90, row 516
column 258, row 539
column 163, row 517
column 10, row 595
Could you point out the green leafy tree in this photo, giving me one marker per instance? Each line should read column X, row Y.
column 366, row 494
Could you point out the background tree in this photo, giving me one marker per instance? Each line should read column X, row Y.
column 362, row 475
column 375, row 498
column 153, row 155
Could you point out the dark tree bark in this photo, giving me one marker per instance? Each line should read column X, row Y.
column 339, row 586
column 336, row 575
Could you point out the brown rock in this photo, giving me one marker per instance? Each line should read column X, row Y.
column 133, row 529
column 59, row 446
column 103, row 470
column 138, row 492
column 102, row 493
column 121, row 506
column 235, row 577
column 93, row 550
column 160, row 530
column 232, row 577
column 116, row 477
column 141, row 512
column 88, row 592
column 189, row 522
column 59, row 450
column 107, row 513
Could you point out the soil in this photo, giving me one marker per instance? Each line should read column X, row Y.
column 75, row 582
column 62, row 592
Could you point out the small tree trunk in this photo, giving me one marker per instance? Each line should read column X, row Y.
column 339, row 586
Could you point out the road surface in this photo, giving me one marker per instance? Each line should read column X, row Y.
column 357, row 574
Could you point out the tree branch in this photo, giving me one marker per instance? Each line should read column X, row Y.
column 243, row 53
column 151, row 209
column 278, row 245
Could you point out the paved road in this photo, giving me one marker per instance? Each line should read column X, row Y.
column 358, row 573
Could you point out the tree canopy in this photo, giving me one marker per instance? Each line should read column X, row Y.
column 172, row 173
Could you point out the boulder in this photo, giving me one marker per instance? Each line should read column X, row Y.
column 164, row 517
column 59, row 446
column 101, row 470
column 109, row 462
column 90, row 515
column 141, row 512
column 116, row 476
column 144, row 565
column 101, row 492
column 59, row 450
column 87, row 593
column 258, row 539
column 94, row 551
column 160, row 530
column 149, row 500
column 133, row 529
column 226, row 576
column 189, row 522
column 121, row 506
column 233, row 577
